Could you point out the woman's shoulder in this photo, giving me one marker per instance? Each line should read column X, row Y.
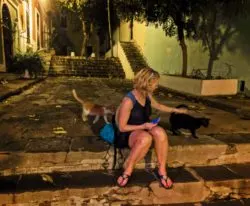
column 130, row 96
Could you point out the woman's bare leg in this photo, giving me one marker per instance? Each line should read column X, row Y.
column 139, row 142
column 161, row 148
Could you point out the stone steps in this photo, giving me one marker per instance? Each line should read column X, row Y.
column 134, row 56
column 96, row 155
column 192, row 184
column 98, row 73
column 46, row 57
column 30, row 147
column 77, row 66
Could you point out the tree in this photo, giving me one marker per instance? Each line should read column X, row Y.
column 173, row 15
column 175, row 18
column 215, row 26
column 110, row 30
column 129, row 11
column 92, row 13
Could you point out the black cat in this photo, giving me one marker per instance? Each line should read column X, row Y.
column 186, row 121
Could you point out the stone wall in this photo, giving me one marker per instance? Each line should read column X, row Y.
column 78, row 66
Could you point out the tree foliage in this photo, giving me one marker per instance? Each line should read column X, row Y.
column 173, row 15
column 211, row 21
column 215, row 23
column 92, row 13
column 131, row 9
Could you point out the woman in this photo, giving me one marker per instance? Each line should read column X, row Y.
column 135, row 129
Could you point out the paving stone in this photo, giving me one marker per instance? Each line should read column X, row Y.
column 47, row 145
column 89, row 143
column 225, row 203
column 243, row 170
column 233, row 138
column 224, row 183
column 215, row 173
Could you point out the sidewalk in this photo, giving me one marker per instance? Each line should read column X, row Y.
column 238, row 104
column 14, row 85
column 49, row 129
column 234, row 104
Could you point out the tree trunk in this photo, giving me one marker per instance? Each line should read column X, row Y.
column 181, row 38
column 110, row 31
column 131, row 26
column 184, row 57
column 210, row 67
column 84, row 41
column 97, row 45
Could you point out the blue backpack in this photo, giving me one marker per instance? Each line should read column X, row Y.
column 107, row 133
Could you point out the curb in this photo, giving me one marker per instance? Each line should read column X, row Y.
column 143, row 186
column 20, row 90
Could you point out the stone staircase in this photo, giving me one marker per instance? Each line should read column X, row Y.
column 78, row 66
column 50, row 157
column 46, row 57
column 204, row 170
column 134, row 56
column 192, row 185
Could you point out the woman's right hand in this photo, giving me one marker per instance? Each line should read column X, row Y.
column 182, row 111
column 149, row 126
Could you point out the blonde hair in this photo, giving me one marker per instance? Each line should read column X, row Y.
column 143, row 80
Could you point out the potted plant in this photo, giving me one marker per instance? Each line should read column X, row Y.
column 30, row 65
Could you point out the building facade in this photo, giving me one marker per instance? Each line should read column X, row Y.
column 26, row 25
column 68, row 36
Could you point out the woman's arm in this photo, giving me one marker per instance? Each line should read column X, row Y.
column 163, row 107
column 123, row 117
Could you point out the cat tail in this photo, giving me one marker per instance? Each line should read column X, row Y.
column 76, row 97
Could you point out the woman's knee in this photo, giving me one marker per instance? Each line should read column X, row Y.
column 159, row 134
column 145, row 139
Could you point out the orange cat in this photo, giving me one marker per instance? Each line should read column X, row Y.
column 89, row 108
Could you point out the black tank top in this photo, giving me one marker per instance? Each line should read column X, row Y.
column 139, row 114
